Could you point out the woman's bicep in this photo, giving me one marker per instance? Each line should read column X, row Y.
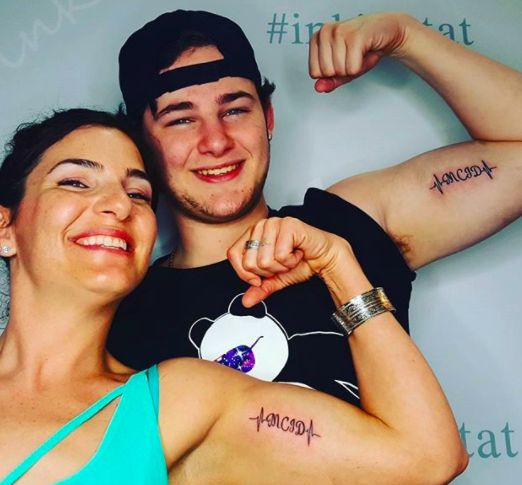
column 280, row 430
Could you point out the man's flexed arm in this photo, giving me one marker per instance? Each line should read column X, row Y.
column 484, row 94
column 447, row 199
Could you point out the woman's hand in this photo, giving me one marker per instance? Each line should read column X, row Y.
column 291, row 252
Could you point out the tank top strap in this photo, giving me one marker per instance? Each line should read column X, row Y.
column 61, row 434
column 153, row 379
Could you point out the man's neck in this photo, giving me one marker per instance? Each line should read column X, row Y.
column 202, row 243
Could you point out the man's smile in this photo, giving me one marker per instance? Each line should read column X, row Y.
column 221, row 173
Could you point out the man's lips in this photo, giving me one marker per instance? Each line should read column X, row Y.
column 111, row 239
column 220, row 173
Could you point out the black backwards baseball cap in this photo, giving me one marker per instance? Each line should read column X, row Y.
column 142, row 54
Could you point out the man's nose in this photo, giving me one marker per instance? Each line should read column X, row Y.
column 215, row 140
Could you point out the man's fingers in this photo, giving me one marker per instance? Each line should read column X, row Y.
column 326, row 53
column 313, row 58
column 327, row 85
column 339, row 55
column 353, row 60
column 340, row 52
column 370, row 60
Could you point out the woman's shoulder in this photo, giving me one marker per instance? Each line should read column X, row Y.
column 183, row 371
column 191, row 401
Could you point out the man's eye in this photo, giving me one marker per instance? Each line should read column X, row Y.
column 73, row 183
column 179, row 121
column 235, row 111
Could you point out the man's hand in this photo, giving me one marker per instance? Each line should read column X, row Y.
column 342, row 51
column 444, row 200
column 291, row 252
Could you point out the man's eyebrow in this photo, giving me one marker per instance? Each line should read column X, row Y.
column 136, row 172
column 78, row 161
column 229, row 97
column 183, row 105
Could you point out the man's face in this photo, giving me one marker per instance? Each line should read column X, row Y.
column 211, row 141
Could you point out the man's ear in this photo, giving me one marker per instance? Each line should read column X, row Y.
column 269, row 117
column 7, row 242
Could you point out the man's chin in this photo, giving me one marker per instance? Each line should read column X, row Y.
column 218, row 213
column 213, row 216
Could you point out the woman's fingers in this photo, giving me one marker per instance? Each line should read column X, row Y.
column 252, row 255
column 269, row 241
column 256, row 294
column 266, row 249
column 279, row 252
column 236, row 254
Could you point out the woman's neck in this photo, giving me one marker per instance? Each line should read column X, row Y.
column 53, row 337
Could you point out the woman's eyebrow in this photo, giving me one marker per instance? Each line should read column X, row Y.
column 136, row 172
column 82, row 162
column 78, row 161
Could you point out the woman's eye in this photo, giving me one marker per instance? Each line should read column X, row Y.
column 73, row 183
column 140, row 196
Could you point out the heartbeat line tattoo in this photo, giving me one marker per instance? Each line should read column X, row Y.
column 286, row 424
column 461, row 175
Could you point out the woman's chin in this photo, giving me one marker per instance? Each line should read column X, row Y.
column 113, row 285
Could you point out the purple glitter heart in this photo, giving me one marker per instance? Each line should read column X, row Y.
column 240, row 358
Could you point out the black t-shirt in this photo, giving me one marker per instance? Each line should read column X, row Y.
column 288, row 338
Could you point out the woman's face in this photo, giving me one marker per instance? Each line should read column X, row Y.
column 85, row 220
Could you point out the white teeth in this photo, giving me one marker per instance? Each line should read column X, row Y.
column 104, row 241
column 219, row 171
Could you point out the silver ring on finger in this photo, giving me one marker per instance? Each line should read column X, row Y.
column 253, row 244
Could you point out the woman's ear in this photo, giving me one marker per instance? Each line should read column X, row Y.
column 7, row 243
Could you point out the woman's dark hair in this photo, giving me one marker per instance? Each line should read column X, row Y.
column 31, row 140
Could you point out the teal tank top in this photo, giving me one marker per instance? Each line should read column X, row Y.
column 130, row 452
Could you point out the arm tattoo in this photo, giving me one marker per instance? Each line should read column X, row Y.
column 286, row 424
column 461, row 175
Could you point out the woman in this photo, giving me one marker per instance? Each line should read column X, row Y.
column 77, row 228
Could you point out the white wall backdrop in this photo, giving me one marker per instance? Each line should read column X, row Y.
column 466, row 314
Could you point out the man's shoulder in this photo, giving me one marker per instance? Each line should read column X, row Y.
column 326, row 210
column 373, row 246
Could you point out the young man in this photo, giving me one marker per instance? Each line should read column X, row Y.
column 191, row 80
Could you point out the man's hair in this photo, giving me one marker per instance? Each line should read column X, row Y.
column 159, row 43
column 192, row 39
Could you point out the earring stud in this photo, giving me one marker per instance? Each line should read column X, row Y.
column 5, row 249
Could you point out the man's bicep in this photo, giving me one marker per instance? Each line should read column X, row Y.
column 448, row 199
